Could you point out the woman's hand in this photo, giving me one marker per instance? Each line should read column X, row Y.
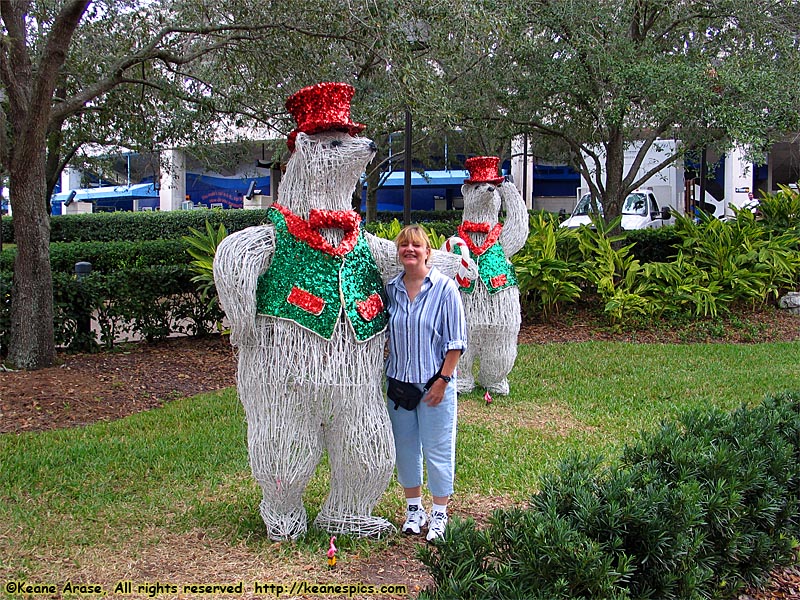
column 436, row 393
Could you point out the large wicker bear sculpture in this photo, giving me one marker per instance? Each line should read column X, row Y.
column 307, row 309
column 491, row 301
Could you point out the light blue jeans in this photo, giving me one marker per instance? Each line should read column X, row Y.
column 429, row 432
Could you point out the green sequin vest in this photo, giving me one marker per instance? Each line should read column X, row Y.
column 310, row 287
column 494, row 269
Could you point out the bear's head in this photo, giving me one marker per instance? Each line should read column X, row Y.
column 481, row 202
column 324, row 170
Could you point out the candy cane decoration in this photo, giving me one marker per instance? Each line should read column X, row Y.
column 463, row 268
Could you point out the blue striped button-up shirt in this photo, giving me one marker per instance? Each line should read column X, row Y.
column 423, row 331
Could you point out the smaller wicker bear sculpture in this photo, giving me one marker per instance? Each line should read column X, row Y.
column 491, row 301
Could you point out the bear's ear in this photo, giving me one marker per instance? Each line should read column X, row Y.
column 301, row 139
column 464, row 189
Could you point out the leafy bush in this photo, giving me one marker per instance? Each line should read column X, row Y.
column 109, row 256
column 780, row 211
column 7, row 226
column 143, row 225
column 699, row 508
column 744, row 260
column 390, row 231
column 202, row 247
column 653, row 245
column 148, row 302
column 616, row 275
column 546, row 278
column 153, row 225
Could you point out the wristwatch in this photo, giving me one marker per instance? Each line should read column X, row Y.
column 447, row 378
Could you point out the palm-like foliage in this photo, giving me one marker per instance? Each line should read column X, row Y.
column 202, row 247
column 546, row 278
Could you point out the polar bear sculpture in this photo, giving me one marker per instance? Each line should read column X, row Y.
column 305, row 299
column 491, row 301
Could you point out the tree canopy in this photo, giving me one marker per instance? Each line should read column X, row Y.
column 583, row 78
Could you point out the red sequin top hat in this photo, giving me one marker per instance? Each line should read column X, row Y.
column 483, row 169
column 322, row 107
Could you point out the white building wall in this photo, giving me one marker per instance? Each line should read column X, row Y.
column 70, row 179
column 738, row 179
column 173, row 179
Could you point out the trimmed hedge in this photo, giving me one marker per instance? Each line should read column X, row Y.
column 109, row 256
column 147, row 225
column 700, row 508
column 145, row 303
column 654, row 245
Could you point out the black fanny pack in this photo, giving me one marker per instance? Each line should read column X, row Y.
column 405, row 394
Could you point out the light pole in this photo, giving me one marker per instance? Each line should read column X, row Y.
column 407, row 174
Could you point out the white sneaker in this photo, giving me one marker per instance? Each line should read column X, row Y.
column 415, row 519
column 437, row 525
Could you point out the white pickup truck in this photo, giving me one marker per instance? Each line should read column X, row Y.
column 639, row 211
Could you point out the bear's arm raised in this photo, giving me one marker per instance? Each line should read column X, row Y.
column 241, row 257
column 516, row 225
column 449, row 264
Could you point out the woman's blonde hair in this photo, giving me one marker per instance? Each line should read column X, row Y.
column 412, row 233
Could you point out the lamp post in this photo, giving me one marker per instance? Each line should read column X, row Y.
column 84, row 319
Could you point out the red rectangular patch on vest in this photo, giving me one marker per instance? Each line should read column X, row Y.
column 371, row 307
column 306, row 300
column 498, row 281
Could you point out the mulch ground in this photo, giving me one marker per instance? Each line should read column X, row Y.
column 86, row 388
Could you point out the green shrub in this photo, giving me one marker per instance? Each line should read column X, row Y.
column 547, row 280
column 613, row 271
column 153, row 225
column 745, row 260
column 653, row 245
column 7, row 225
column 780, row 211
column 142, row 225
column 699, row 508
column 148, row 302
column 202, row 247
column 109, row 256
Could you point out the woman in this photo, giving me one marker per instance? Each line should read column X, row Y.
column 427, row 334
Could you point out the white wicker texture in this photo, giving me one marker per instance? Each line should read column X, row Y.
column 493, row 320
column 303, row 394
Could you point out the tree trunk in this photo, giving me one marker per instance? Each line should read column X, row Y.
column 615, row 167
column 32, row 343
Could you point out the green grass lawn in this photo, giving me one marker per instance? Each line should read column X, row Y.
column 184, row 467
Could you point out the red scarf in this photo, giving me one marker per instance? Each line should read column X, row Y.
column 308, row 231
column 493, row 233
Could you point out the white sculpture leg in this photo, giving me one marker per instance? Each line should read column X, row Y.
column 358, row 437
column 302, row 394
column 493, row 322
column 466, row 365
column 283, row 458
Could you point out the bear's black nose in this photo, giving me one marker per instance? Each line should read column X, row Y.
column 373, row 146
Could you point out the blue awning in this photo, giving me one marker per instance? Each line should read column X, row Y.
column 431, row 178
column 140, row 190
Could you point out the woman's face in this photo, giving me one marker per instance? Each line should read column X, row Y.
column 413, row 253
